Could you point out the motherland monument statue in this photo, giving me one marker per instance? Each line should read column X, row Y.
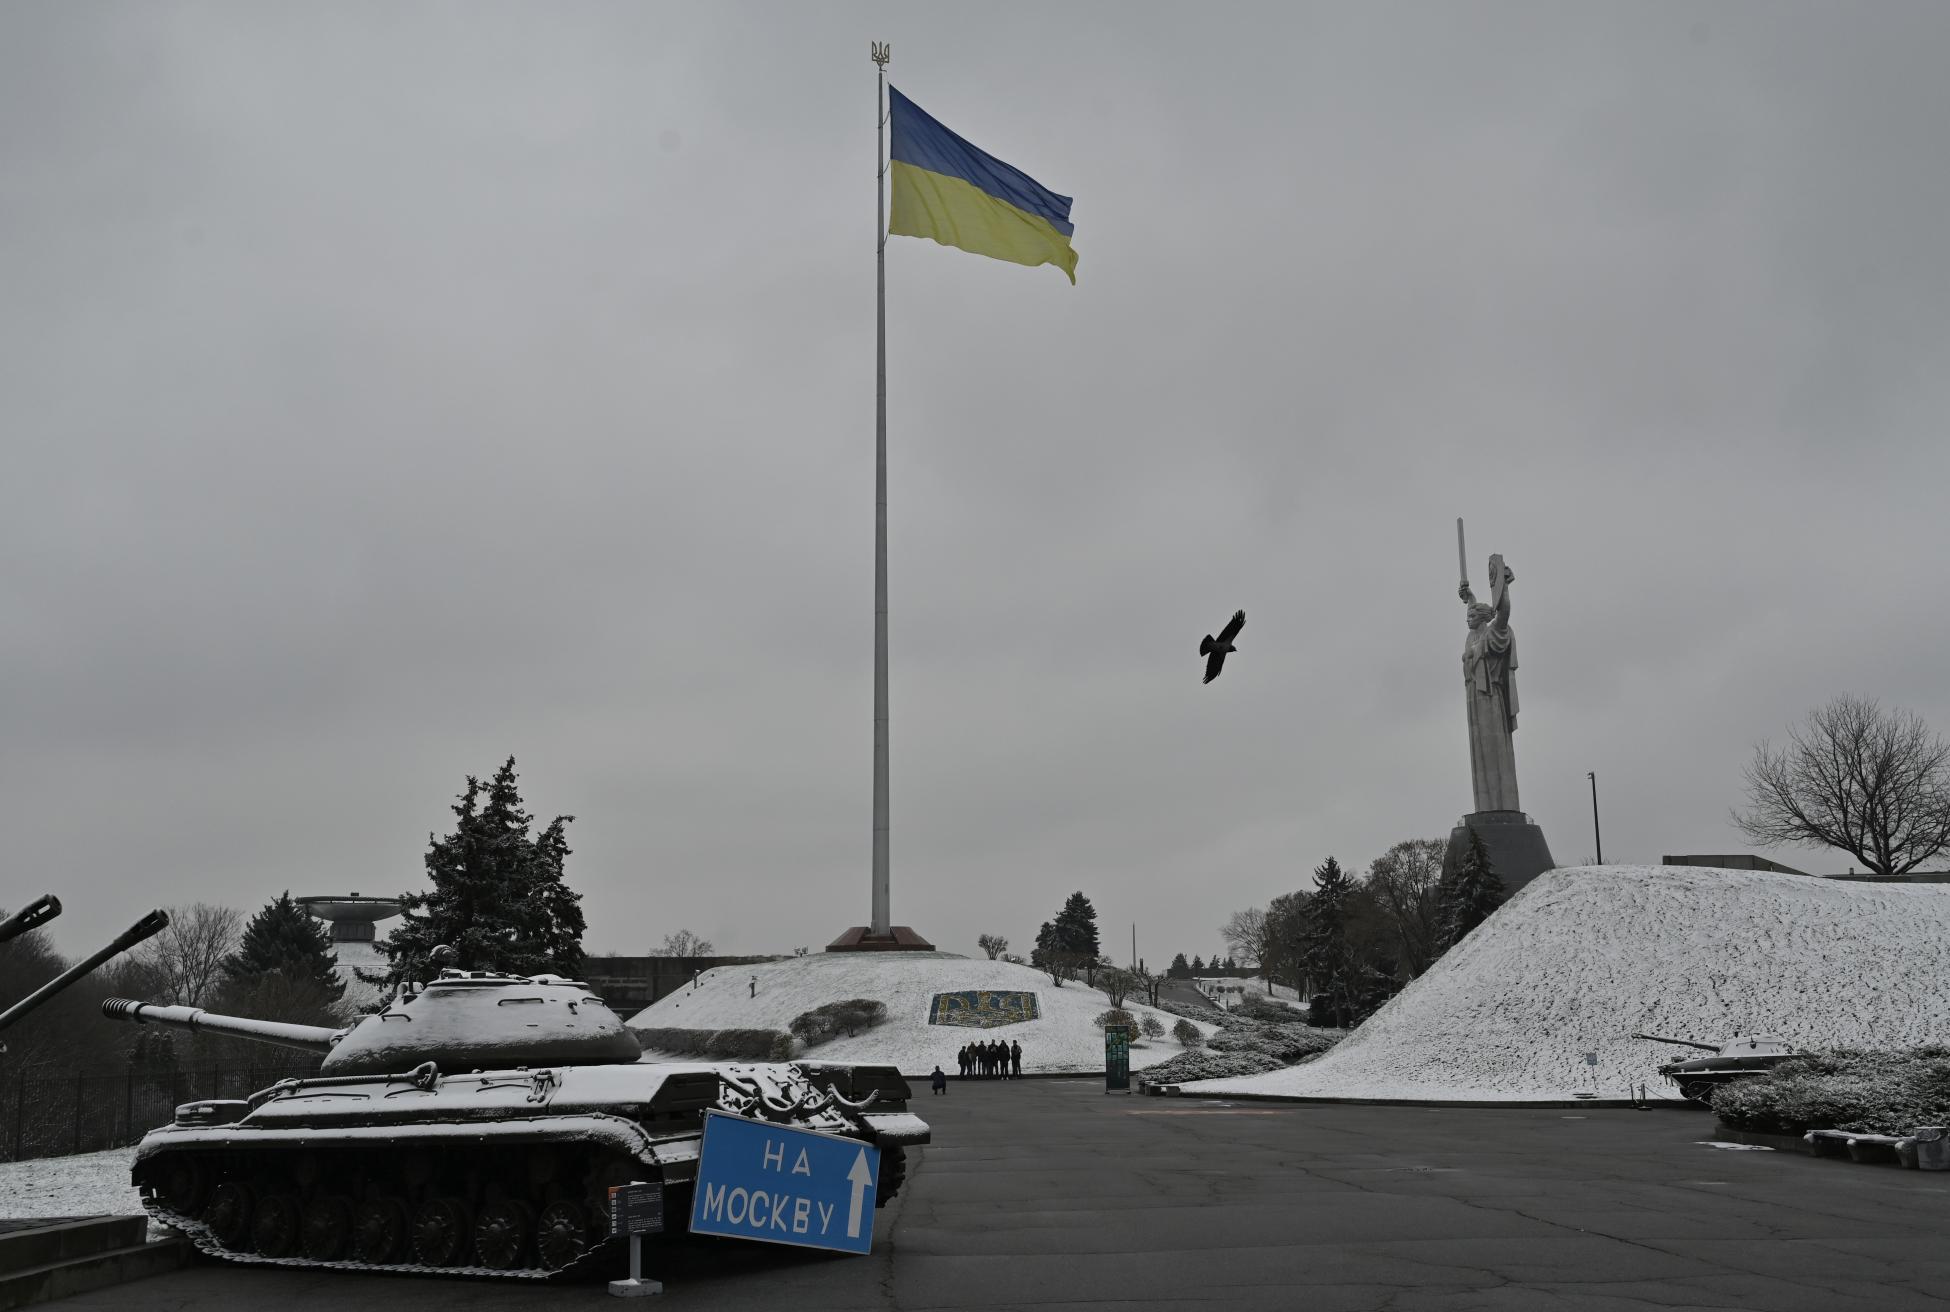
column 1517, row 850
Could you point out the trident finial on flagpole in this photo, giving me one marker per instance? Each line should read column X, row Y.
column 882, row 52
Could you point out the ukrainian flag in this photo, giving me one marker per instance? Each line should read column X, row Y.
column 946, row 189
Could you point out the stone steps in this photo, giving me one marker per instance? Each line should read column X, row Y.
column 44, row 1261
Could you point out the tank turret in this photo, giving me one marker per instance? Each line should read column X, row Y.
column 463, row 1021
column 474, row 1126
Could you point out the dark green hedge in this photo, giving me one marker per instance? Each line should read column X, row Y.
column 850, row 1017
column 718, row 1045
column 1868, row 1092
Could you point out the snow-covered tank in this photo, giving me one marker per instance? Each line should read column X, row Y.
column 473, row 1127
column 1733, row 1059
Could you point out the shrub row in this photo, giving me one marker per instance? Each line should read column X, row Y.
column 850, row 1017
column 1243, row 1046
column 1843, row 1089
column 718, row 1045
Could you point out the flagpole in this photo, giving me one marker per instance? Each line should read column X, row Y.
column 882, row 925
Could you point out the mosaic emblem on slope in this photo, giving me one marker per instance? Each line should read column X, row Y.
column 982, row 1008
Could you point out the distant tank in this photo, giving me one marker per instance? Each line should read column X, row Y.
column 473, row 1127
column 1734, row 1059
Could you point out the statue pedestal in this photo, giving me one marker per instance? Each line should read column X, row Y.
column 1518, row 852
column 861, row 938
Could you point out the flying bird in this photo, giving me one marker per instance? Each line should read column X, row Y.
column 1214, row 649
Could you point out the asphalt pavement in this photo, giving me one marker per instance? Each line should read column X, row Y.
column 1052, row 1194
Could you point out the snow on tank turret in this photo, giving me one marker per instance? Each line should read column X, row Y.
column 472, row 1127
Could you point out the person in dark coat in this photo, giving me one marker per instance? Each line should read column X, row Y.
column 1001, row 1067
column 1015, row 1058
column 940, row 1080
column 961, row 1060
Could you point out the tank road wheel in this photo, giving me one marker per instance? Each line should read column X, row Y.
column 893, row 1174
column 440, row 1232
column 1699, row 1091
column 381, row 1234
column 182, row 1185
column 561, row 1236
column 326, row 1228
column 274, row 1227
column 229, row 1214
column 501, row 1233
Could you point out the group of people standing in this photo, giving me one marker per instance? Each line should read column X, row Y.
column 991, row 1059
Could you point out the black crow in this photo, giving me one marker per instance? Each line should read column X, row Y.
column 1214, row 649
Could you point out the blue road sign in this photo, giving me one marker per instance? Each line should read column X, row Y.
column 756, row 1180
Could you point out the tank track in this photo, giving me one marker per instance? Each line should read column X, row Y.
column 444, row 1174
column 380, row 1179
column 208, row 1244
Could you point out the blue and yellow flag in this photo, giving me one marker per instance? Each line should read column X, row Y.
column 946, row 189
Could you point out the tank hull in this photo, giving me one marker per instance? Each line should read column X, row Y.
column 1698, row 1078
column 495, row 1173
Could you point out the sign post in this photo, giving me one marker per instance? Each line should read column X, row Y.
column 782, row 1185
column 1117, row 1059
column 636, row 1209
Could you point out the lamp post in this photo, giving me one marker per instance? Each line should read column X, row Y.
column 1592, row 775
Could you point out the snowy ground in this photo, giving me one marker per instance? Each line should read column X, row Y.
column 1064, row 1038
column 1580, row 959
column 92, row 1184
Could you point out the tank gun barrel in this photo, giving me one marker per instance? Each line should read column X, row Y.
column 150, row 924
column 1684, row 1043
column 32, row 916
column 308, row 1038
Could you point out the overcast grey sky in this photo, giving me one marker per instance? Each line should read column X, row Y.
column 386, row 389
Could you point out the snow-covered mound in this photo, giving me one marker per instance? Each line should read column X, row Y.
column 1580, row 959
column 1064, row 1037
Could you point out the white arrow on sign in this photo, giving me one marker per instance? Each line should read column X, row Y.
column 859, row 1177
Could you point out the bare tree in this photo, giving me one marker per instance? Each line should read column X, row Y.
column 186, row 958
column 1873, row 783
column 1148, row 982
column 993, row 944
column 1245, row 935
column 1402, row 889
column 1117, row 984
column 684, row 944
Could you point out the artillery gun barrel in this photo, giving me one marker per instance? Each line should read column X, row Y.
column 1684, row 1043
column 32, row 916
column 309, row 1038
column 150, row 924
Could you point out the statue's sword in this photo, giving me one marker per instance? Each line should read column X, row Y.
column 1462, row 557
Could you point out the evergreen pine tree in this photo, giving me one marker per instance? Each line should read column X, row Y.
column 283, row 940
column 1323, row 941
column 1469, row 893
column 1198, row 964
column 498, row 895
column 1076, row 926
column 1179, row 969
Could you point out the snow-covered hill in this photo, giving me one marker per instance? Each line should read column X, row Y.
column 1063, row 1038
column 1582, row 958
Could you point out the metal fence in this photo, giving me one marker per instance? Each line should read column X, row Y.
column 53, row 1115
